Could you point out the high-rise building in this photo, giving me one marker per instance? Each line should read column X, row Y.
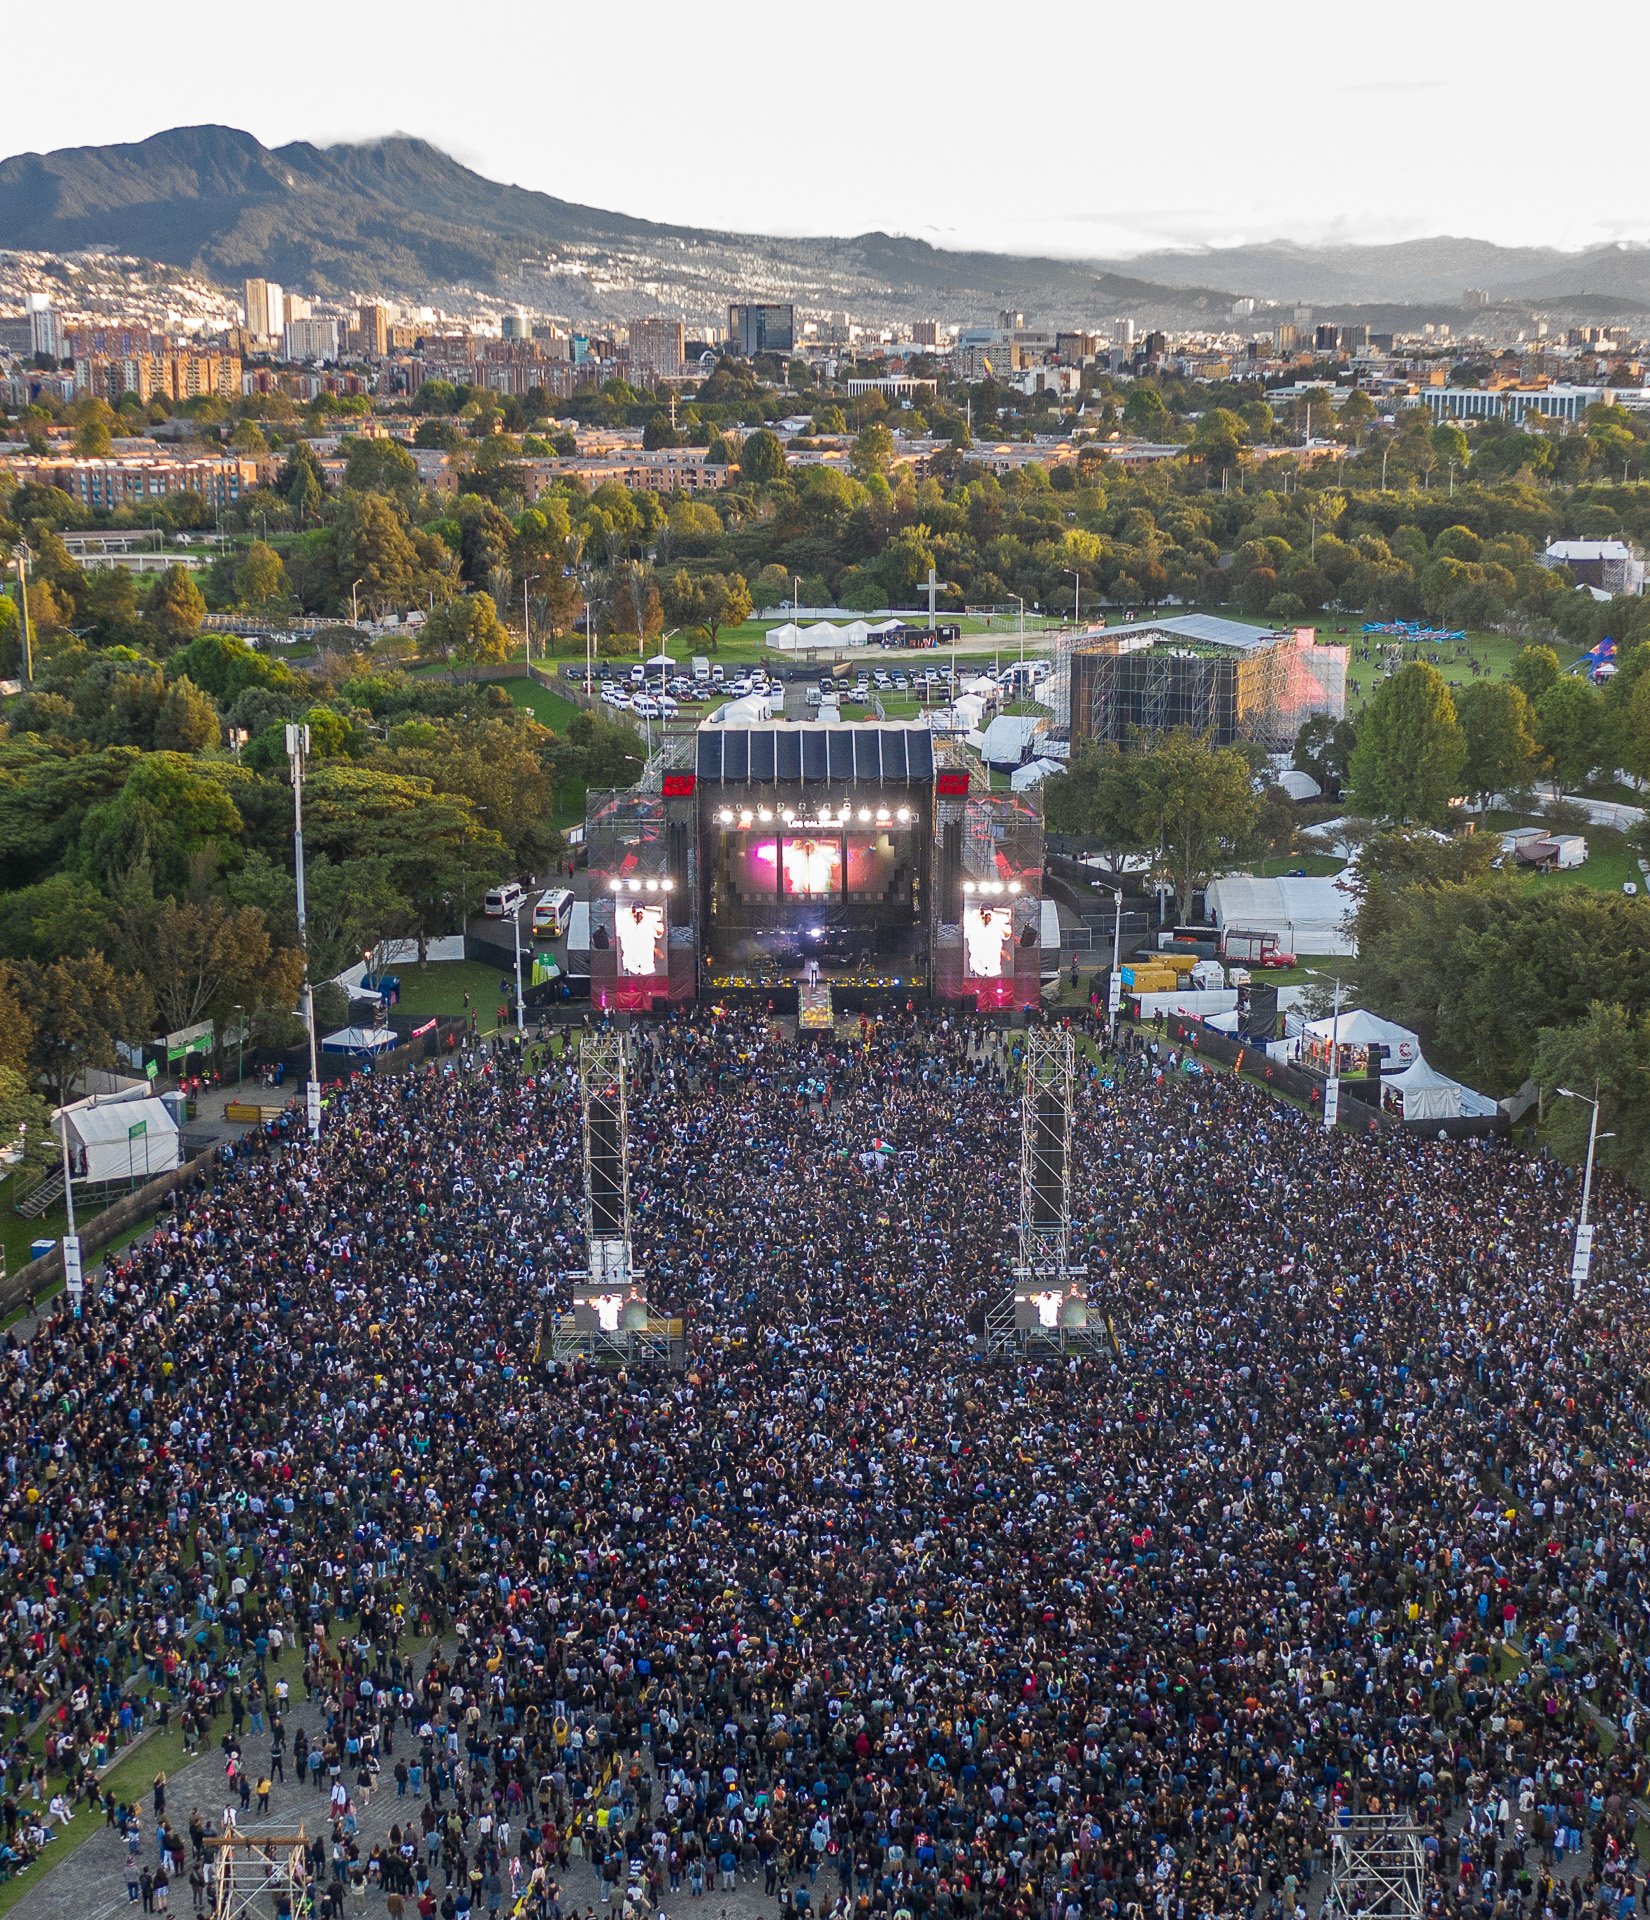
column 312, row 339
column 44, row 337
column 755, row 329
column 1010, row 320
column 265, row 309
column 516, row 326
column 656, row 348
column 925, row 333
column 1286, row 336
column 373, row 323
column 296, row 306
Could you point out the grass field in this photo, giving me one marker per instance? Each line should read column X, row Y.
column 551, row 708
column 441, row 986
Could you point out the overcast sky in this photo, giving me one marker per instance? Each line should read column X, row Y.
column 1064, row 129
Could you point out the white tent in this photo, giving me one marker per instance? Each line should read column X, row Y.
column 1307, row 913
column 1427, row 1094
column 785, row 637
column 1358, row 1028
column 1033, row 774
column 1298, row 785
column 359, row 1040
column 123, row 1140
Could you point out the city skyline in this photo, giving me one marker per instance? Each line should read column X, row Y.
column 1226, row 142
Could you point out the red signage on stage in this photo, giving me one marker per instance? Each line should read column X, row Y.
column 679, row 786
column 953, row 786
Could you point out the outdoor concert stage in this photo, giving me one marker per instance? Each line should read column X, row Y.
column 870, row 858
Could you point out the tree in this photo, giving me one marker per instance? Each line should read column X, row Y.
column 1217, row 441
column 188, row 721
column 379, row 466
column 1605, row 1055
column 175, row 606
column 1323, row 749
column 1497, row 725
column 260, row 579
column 1569, row 723
column 762, row 456
column 77, row 1010
column 349, row 905
column 1534, row 671
column 469, row 629
column 170, row 810
column 26, row 1120
column 1145, row 413
column 872, row 452
column 634, row 609
column 201, row 958
column 1407, row 764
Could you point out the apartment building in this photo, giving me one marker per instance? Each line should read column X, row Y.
column 113, row 482
column 312, row 339
column 656, row 350
column 174, row 376
column 265, row 309
column 665, row 470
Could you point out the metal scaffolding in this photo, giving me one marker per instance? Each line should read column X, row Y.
column 609, row 1324
column 261, row 1876
column 1048, row 1306
column 1377, row 1870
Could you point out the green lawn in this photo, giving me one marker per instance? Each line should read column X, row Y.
column 441, row 986
column 552, row 709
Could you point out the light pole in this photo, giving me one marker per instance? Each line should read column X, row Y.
column 72, row 1281
column 1332, row 1085
column 1114, row 987
column 521, row 1005
column 1022, row 606
column 1076, row 599
column 527, row 580
column 240, row 1046
column 1385, row 451
column 297, row 750
column 354, row 604
column 1582, row 1259
column 21, row 560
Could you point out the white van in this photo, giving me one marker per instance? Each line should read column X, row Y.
column 504, row 900
column 552, row 913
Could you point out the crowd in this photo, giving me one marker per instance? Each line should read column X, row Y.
column 842, row 1612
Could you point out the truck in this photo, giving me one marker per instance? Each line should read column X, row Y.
column 1254, row 949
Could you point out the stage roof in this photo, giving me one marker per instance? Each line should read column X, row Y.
column 811, row 752
column 1208, row 629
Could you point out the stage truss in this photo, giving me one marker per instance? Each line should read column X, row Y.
column 609, row 1324
column 1377, row 1871
column 258, row 1876
column 1047, row 1310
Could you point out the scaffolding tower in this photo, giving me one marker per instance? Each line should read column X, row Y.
column 1047, row 1310
column 609, row 1324
column 262, row 1876
column 1377, row 1870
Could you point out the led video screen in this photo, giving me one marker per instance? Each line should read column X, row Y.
column 641, row 936
column 872, row 863
column 988, row 942
column 753, row 867
column 812, row 865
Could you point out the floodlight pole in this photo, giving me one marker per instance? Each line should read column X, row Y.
column 297, row 748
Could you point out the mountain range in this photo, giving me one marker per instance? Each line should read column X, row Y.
column 397, row 216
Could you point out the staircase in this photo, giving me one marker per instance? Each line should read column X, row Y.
column 813, row 1007
column 41, row 1197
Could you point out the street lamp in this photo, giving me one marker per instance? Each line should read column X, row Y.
column 1076, row 598
column 1022, row 606
column 354, row 604
column 20, row 560
column 1582, row 1258
column 1114, row 988
column 72, row 1281
column 521, row 1005
column 1332, row 1086
column 527, row 580
column 297, row 750
column 240, row 1046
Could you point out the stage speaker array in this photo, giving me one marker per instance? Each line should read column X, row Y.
column 1048, row 1174
column 606, row 1165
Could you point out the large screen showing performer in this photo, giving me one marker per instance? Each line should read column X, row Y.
column 988, row 942
column 753, row 867
column 641, row 937
column 812, row 865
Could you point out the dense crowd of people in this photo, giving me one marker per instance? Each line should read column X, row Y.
column 1352, row 1522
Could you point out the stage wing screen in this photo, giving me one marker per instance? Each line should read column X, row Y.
column 753, row 866
column 641, row 934
column 813, row 866
column 988, row 942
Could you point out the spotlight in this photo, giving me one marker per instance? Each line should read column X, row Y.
column 904, row 816
column 616, row 885
column 726, row 816
column 635, row 886
column 764, row 814
column 653, row 886
column 968, row 886
column 865, row 816
column 1014, row 886
column 667, row 884
column 744, row 819
column 882, row 816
